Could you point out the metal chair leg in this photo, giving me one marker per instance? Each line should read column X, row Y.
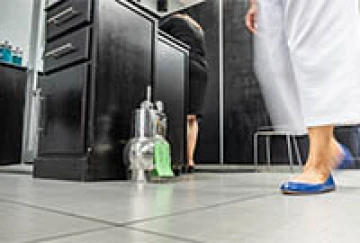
column 297, row 151
column 268, row 152
column 289, row 148
column 256, row 152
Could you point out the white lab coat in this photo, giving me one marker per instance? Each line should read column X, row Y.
column 307, row 59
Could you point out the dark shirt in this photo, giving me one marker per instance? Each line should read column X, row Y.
column 187, row 32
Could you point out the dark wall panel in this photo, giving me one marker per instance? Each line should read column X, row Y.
column 244, row 107
column 207, row 14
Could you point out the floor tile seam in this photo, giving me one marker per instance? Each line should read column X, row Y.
column 218, row 190
column 132, row 225
column 132, row 222
column 62, row 213
column 171, row 236
column 107, row 222
column 230, row 189
column 68, row 235
column 198, row 209
column 84, row 232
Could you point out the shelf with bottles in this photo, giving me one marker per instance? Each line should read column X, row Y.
column 10, row 55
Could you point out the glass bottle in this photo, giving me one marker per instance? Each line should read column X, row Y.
column 2, row 49
column 6, row 57
column 17, row 57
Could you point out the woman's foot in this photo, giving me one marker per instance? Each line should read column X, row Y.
column 325, row 154
column 190, row 168
column 299, row 188
column 312, row 176
column 315, row 178
column 319, row 166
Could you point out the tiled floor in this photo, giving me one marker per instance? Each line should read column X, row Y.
column 199, row 208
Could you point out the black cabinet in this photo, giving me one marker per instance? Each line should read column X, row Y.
column 12, row 103
column 63, row 106
column 68, row 50
column 99, row 59
column 171, row 85
column 66, row 15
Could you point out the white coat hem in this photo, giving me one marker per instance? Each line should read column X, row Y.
column 332, row 122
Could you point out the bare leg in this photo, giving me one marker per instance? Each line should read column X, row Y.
column 324, row 155
column 192, row 134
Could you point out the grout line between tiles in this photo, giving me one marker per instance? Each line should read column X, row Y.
column 49, row 210
column 67, row 235
column 197, row 209
column 162, row 234
column 131, row 222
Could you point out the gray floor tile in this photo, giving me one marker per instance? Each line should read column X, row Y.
column 116, row 235
column 203, row 207
column 122, row 202
column 20, row 223
column 327, row 218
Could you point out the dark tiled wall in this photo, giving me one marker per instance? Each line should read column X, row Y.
column 207, row 14
column 244, row 107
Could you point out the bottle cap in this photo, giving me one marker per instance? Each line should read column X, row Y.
column 159, row 106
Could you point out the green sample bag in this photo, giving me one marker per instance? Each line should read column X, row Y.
column 162, row 161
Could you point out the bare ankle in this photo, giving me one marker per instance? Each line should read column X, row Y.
column 191, row 163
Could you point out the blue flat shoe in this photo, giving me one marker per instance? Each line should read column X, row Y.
column 306, row 188
column 348, row 160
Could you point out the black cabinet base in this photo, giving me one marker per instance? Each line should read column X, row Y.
column 90, row 92
column 76, row 169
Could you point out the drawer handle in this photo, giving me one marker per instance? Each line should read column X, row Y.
column 59, row 18
column 60, row 51
column 54, row 2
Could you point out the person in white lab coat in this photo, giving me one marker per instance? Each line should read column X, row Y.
column 307, row 58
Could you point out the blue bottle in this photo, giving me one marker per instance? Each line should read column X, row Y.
column 7, row 56
column 17, row 57
column 2, row 49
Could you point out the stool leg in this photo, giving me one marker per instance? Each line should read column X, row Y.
column 268, row 151
column 256, row 151
column 288, row 142
column 297, row 151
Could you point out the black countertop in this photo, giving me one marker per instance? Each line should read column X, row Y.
column 9, row 65
column 174, row 40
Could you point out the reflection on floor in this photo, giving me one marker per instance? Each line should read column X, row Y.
column 223, row 207
column 17, row 169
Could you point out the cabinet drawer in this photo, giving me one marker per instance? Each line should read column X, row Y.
column 64, row 15
column 67, row 50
